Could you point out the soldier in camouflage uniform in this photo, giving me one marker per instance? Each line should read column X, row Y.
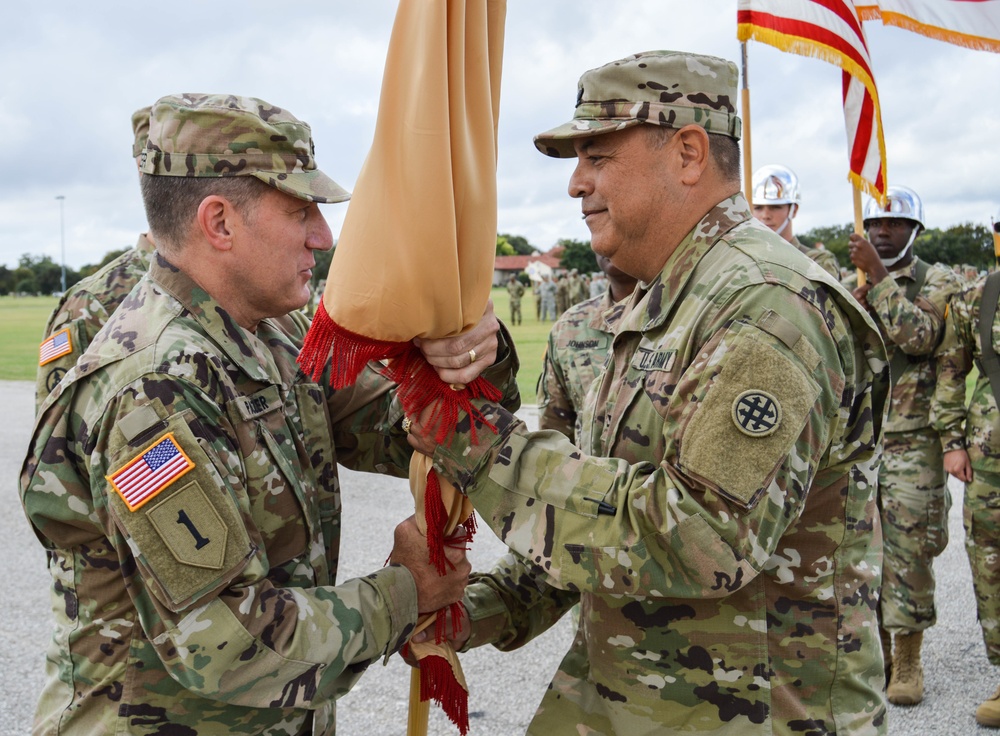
column 718, row 519
column 183, row 475
column 515, row 289
column 86, row 305
column 907, row 297
column 970, row 439
column 776, row 202
column 575, row 353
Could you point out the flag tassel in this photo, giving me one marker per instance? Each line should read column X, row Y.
column 438, row 683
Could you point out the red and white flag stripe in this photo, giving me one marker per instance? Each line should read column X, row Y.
column 974, row 24
column 829, row 30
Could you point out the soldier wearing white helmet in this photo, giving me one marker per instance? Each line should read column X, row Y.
column 908, row 298
column 776, row 201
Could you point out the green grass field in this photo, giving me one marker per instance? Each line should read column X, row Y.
column 22, row 320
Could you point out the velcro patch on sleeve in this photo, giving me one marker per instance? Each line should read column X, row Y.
column 749, row 419
column 183, row 525
column 55, row 346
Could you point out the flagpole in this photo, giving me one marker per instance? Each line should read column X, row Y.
column 417, row 716
column 859, row 227
column 745, row 103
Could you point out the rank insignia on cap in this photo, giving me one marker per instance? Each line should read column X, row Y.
column 57, row 345
column 756, row 413
column 149, row 472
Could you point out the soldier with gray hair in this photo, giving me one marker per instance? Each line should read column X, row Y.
column 183, row 475
column 717, row 518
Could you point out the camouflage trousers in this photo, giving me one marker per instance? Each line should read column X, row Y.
column 914, row 503
column 981, row 515
column 515, row 312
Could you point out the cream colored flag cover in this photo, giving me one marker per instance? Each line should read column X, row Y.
column 416, row 253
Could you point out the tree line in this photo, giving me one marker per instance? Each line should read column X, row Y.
column 964, row 244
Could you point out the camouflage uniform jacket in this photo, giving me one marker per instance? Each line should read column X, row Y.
column 916, row 328
column 976, row 428
column 719, row 521
column 212, row 608
column 86, row 306
column 578, row 345
column 516, row 291
column 824, row 258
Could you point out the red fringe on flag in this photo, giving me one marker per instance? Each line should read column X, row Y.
column 437, row 683
column 419, row 384
column 418, row 387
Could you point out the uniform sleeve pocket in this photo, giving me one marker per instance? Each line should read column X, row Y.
column 749, row 417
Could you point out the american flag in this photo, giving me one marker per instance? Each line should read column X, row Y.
column 57, row 345
column 150, row 472
column 974, row 24
column 829, row 30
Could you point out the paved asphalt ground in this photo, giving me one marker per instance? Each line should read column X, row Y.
column 505, row 687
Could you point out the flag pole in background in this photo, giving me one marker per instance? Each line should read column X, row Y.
column 830, row 30
column 745, row 111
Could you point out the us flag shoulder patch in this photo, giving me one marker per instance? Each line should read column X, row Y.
column 57, row 345
column 149, row 472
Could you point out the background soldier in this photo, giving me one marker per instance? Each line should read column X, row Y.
column 971, row 442
column 718, row 520
column 776, row 201
column 516, row 290
column 907, row 297
column 86, row 306
column 576, row 351
column 183, row 475
column 562, row 293
column 547, row 299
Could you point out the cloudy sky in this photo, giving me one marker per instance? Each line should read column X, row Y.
column 74, row 72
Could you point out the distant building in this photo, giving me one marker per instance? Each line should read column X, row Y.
column 507, row 266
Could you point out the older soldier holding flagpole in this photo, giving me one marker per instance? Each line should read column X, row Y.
column 718, row 520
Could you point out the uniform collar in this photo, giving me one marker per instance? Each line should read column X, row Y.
column 908, row 271
column 652, row 303
column 248, row 352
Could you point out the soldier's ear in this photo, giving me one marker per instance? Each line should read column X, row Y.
column 693, row 149
column 214, row 219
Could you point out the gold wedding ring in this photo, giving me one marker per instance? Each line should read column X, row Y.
column 407, row 423
column 472, row 357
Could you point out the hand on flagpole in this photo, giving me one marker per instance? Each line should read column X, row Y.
column 461, row 358
column 457, row 634
column 420, row 433
column 863, row 255
column 434, row 591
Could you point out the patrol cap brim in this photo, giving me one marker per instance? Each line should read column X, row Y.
column 312, row 186
column 559, row 142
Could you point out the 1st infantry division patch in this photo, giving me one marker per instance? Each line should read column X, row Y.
column 149, row 472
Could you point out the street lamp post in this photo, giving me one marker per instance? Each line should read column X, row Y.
column 62, row 239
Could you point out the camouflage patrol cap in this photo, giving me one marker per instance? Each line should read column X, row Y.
column 140, row 130
column 667, row 88
column 201, row 135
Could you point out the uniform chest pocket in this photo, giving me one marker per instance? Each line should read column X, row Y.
column 274, row 477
